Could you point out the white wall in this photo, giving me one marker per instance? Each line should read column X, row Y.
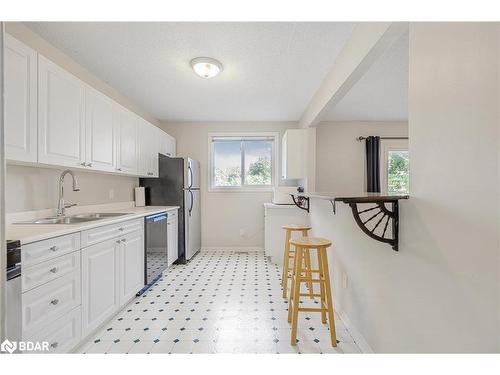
column 440, row 292
column 340, row 158
column 223, row 214
column 34, row 188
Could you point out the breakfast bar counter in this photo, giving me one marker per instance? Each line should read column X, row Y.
column 369, row 210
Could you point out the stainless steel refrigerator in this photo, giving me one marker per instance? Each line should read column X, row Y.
column 178, row 184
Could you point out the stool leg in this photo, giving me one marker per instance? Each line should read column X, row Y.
column 307, row 261
column 294, row 299
column 329, row 298
column 322, row 286
column 286, row 262
column 295, row 266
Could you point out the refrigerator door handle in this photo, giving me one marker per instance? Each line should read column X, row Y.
column 190, row 177
column 192, row 202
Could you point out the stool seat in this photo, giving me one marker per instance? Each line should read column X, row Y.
column 296, row 227
column 311, row 242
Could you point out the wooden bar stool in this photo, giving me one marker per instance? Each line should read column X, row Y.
column 289, row 254
column 302, row 275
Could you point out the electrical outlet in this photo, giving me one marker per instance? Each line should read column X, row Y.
column 111, row 193
column 242, row 233
column 344, row 280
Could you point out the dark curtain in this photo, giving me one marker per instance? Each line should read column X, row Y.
column 373, row 164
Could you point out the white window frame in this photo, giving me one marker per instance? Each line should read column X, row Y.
column 243, row 188
column 386, row 146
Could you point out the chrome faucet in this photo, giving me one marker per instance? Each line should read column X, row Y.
column 61, row 208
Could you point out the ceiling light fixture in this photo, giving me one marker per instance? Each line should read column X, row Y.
column 206, row 67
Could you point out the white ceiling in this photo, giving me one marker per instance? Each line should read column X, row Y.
column 381, row 94
column 271, row 70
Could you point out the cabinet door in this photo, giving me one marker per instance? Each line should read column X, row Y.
column 20, row 101
column 131, row 265
column 148, row 149
column 99, row 131
column 100, row 283
column 61, row 128
column 167, row 144
column 294, row 147
column 172, row 146
column 127, row 142
column 172, row 238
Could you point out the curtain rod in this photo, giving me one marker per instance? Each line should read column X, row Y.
column 361, row 138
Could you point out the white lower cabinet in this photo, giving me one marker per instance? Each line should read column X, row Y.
column 69, row 291
column 275, row 216
column 112, row 274
column 100, row 283
column 131, row 255
column 172, row 238
column 63, row 334
column 49, row 302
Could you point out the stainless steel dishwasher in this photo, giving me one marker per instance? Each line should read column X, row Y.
column 155, row 248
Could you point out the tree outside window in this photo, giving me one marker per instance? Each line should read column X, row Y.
column 398, row 172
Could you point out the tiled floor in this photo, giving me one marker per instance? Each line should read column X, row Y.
column 220, row 302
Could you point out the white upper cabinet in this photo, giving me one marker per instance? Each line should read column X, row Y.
column 20, row 101
column 167, row 144
column 61, row 112
column 293, row 153
column 126, row 142
column 148, row 149
column 100, row 129
column 53, row 118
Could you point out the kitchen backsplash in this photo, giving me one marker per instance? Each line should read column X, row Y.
column 30, row 188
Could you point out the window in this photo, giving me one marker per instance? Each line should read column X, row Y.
column 242, row 162
column 395, row 168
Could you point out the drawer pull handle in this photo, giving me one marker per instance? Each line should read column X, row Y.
column 123, row 239
column 117, row 241
column 54, row 345
column 54, row 270
column 53, row 248
column 121, row 228
column 54, row 301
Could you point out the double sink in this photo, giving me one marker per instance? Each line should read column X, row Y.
column 74, row 219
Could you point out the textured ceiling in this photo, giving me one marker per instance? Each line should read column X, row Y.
column 381, row 94
column 271, row 70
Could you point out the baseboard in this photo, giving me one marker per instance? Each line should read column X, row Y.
column 356, row 335
column 232, row 248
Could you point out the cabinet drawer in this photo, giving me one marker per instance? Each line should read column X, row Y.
column 41, row 251
column 172, row 214
column 62, row 335
column 106, row 232
column 42, row 273
column 48, row 302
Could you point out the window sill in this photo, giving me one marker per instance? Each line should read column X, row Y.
column 241, row 190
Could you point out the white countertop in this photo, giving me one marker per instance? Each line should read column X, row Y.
column 27, row 233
